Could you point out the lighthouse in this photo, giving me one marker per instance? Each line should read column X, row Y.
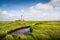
column 22, row 18
column 22, row 15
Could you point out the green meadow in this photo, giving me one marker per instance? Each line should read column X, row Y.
column 41, row 30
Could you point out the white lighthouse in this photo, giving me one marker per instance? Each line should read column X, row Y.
column 22, row 18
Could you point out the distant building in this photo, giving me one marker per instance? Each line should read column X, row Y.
column 22, row 18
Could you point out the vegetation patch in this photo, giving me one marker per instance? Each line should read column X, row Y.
column 40, row 30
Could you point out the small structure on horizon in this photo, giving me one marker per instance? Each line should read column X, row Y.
column 22, row 18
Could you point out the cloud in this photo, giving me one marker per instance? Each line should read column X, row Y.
column 45, row 12
column 40, row 7
column 56, row 3
column 10, row 15
column 49, row 11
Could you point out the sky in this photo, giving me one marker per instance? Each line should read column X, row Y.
column 11, row 10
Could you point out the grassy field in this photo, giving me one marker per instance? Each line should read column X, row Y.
column 42, row 30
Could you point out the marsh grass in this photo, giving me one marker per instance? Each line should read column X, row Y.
column 42, row 30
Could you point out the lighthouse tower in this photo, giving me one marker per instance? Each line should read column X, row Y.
column 22, row 18
column 22, row 15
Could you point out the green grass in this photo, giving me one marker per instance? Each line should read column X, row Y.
column 43, row 30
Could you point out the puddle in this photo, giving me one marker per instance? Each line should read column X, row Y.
column 22, row 31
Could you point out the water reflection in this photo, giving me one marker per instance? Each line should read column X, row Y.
column 22, row 31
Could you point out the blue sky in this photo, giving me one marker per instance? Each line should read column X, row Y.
column 15, row 4
column 22, row 2
column 11, row 10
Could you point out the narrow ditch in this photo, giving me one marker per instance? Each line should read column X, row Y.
column 23, row 30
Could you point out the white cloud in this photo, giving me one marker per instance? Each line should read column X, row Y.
column 4, row 12
column 10, row 15
column 56, row 2
column 35, row 12
column 40, row 7
column 45, row 12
